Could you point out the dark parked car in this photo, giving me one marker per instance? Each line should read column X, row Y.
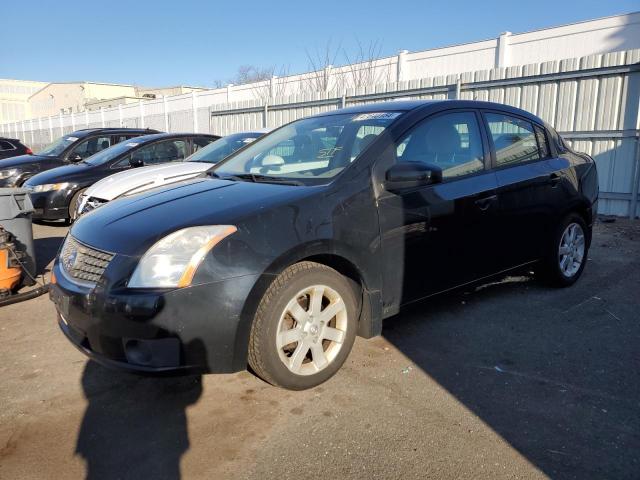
column 12, row 147
column 318, row 231
column 55, row 193
column 68, row 149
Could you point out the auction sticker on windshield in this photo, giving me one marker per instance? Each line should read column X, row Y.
column 376, row 116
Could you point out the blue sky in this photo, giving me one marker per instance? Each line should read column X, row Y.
column 197, row 42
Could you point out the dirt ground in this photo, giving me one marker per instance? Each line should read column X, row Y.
column 508, row 380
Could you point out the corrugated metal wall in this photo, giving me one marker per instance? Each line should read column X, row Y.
column 593, row 101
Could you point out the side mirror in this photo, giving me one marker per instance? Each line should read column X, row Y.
column 136, row 162
column 75, row 157
column 411, row 175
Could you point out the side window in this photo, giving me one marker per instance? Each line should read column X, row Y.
column 514, row 139
column 90, row 146
column 451, row 141
column 124, row 163
column 6, row 146
column 161, row 152
column 199, row 142
column 364, row 136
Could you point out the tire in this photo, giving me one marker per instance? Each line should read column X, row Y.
column 73, row 205
column 302, row 350
column 566, row 258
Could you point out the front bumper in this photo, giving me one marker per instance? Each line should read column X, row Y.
column 53, row 205
column 195, row 329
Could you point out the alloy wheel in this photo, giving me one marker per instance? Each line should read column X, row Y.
column 571, row 250
column 311, row 330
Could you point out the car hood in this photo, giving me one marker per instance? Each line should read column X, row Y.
column 22, row 160
column 141, row 179
column 130, row 225
column 66, row 173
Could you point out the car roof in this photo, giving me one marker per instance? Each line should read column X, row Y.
column 8, row 139
column 83, row 132
column 159, row 136
column 408, row 105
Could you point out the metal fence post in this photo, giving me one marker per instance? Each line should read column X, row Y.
column 86, row 118
column 50, row 129
column 402, row 60
column 141, row 109
column 33, row 138
column 102, row 116
column 120, row 114
column 24, row 132
column 265, row 114
column 502, row 45
column 458, row 87
column 636, row 181
column 194, row 109
column 166, row 113
column 73, row 121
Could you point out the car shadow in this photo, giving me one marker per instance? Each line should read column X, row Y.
column 134, row 426
column 542, row 367
column 46, row 249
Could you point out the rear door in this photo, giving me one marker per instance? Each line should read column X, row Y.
column 439, row 236
column 527, row 182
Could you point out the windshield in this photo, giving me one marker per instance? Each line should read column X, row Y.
column 56, row 148
column 310, row 151
column 104, row 156
column 216, row 151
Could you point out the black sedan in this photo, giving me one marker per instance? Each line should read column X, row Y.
column 55, row 193
column 318, row 231
column 66, row 150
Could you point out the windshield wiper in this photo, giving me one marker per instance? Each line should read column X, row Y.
column 257, row 178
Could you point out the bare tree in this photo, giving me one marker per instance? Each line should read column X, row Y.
column 320, row 64
column 264, row 83
column 362, row 68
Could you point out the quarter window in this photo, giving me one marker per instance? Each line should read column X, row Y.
column 451, row 142
column 514, row 139
column 6, row 146
column 200, row 142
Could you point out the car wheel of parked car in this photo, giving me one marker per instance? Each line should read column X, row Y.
column 304, row 327
column 73, row 205
column 568, row 256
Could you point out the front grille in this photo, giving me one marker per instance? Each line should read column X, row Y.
column 83, row 262
column 91, row 204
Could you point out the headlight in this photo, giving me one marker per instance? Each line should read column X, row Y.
column 8, row 173
column 173, row 260
column 48, row 187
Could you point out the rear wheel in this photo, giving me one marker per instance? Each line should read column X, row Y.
column 567, row 254
column 304, row 327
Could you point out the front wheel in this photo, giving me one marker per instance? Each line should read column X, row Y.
column 567, row 254
column 73, row 205
column 304, row 327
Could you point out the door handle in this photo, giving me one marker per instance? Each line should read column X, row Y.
column 485, row 202
column 554, row 179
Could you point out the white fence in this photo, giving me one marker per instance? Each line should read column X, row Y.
column 593, row 101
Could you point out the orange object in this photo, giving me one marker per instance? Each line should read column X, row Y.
column 9, row 276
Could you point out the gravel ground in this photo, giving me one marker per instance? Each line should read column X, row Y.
column 508, row 380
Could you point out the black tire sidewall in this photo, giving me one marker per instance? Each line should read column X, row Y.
column 280, row 374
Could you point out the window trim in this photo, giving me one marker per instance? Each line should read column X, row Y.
column 486, row 152
column 494, row 159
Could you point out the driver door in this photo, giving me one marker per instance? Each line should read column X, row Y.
column 437, row 236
